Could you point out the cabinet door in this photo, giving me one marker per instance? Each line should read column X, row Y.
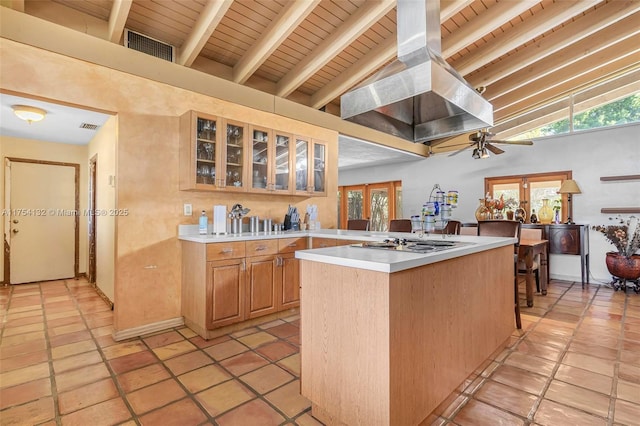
column 283, row 161
column 235, row 156
column 301, row 179
column 225, row 292
column 290, row 288
column 200, row 152
column 318, row 171
column 261, row 163
column 261, row 286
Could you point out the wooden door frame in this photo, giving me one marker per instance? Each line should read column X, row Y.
column 76, row 167
column 91, row 220
column 366, row 204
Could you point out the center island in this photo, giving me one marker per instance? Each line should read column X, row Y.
column 387, row 335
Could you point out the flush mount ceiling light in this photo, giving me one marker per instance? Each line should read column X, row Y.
column 29, row 113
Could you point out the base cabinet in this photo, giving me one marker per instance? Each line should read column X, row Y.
column 225, row 292
column 230, row 282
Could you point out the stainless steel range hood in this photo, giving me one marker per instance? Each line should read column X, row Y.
column 418, row 97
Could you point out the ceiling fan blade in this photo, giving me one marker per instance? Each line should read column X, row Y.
column 493, row 149
column 460, row 150
column 512, row 142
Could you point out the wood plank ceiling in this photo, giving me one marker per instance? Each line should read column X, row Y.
column 526, row 53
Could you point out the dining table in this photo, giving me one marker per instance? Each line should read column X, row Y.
column 527, row 251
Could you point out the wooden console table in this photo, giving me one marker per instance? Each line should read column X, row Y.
column 567, row 239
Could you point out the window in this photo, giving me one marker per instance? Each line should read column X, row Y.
column 377, row 202
column 528, row 191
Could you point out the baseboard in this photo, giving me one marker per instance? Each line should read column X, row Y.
column 148, row 328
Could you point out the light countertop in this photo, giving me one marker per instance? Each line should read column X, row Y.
column 356, row 257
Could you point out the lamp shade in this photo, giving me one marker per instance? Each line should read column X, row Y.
column 569, row 186
column 29, row 113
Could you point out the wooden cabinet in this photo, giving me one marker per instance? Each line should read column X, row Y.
column 289, row 294
column 310, row 166
column 229, row 282
column 271, row 161
column 262, row 278
column 225, row 292
column 317, row 242
column 221, row 154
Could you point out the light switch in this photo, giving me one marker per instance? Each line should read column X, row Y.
column 188, row 210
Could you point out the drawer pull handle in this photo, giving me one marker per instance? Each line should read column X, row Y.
column 261, row 248
column 227, row 250
column 293, row 245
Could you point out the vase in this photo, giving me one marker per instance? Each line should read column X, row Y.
column 556, row 218
column 620, row 266
column 482, row 212
column 545, row 214
column 520, row 214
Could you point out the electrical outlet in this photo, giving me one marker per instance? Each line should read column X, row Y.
column 188, row 210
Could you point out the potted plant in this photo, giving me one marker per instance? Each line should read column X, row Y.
column 557, row 205
column 625, row 237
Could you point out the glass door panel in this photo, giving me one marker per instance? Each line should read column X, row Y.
column 540, row 190
column 319, row 161
column 206, row 152
column 302, row 168
column 282, row 162
column 235, row 155
column 379, row 208
column 259, row 163
column 355, row 204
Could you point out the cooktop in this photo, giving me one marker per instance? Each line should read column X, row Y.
column 412, row 245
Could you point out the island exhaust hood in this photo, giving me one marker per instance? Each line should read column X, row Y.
column 419, row 96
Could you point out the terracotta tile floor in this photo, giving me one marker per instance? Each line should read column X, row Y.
column 576, row 362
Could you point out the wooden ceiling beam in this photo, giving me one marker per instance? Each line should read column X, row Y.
column 517, row 105
column 524, row 32
column 366, row 15
column 582, row 27
column 207, row 22
column 496, row 16
column 450, row 8
column 118, row 19
column 565, row 64
column 287, row 21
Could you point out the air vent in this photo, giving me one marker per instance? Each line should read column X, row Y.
column 89, row 126
column 148, row 45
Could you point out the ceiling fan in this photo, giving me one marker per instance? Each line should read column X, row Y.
column 482, row 143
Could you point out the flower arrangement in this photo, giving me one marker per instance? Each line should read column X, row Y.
column 625, row 236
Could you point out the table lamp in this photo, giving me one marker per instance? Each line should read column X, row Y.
column 569, row 187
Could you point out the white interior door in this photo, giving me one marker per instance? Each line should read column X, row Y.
column 42, row 227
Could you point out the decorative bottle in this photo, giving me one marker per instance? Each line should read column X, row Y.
column 546, row 213
column 482, row 212
column 203, row 222
column 520, row 214
column 534, row 218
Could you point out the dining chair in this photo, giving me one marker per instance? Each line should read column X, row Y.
column 531, row 234
column 358, row 224
column 400, row 225
column 505, row 228
column 451, row 228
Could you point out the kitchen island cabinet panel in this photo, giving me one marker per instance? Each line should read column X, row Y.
column 387, row 348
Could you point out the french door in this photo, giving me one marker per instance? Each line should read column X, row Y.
column 374, row 201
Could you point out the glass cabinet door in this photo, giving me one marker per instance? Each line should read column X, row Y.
column 206, row 152
column 260, row 158
column 302, row 168
column 282, row 162
column 319, row 161
column 234, row 155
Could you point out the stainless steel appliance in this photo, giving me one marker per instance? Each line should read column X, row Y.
column 413, row 245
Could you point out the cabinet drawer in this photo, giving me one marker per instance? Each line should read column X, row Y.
column 323, row 242
column 221, row 251
column 289, row 245
column 261, row 247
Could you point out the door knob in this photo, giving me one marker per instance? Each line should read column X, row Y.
column 16, row 221
column 15, row 231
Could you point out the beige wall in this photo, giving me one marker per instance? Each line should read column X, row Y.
column 147, row 265
column 103, row 148
column 50, row 151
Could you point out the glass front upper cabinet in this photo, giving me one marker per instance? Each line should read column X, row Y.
column 206, row 144
column 302, row 165
column 310, row 163
column 235, row 149
column 260, row 142
column 281, row 177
